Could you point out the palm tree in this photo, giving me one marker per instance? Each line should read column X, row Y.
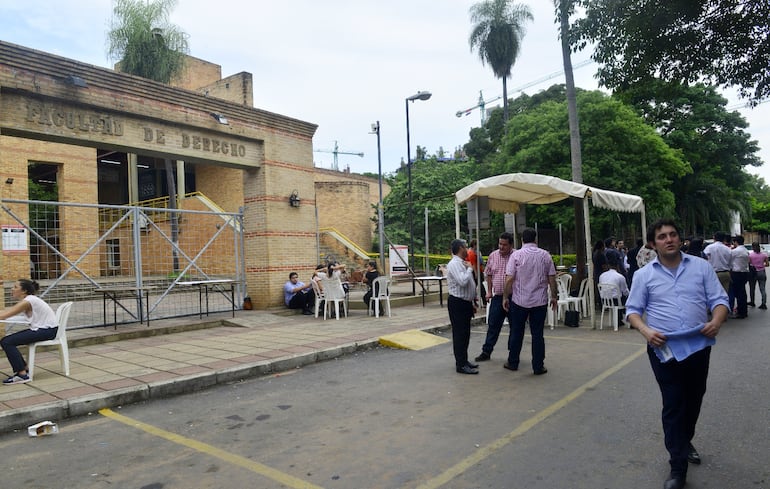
column 497, row 34
column 143, row 41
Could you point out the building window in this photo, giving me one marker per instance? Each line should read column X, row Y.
column 113, row 255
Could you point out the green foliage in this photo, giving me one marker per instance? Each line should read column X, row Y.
column 144, row 42
column 433, row 186
column 723, row 41
column 620, row 152
column 760, row 207
column 694, row 120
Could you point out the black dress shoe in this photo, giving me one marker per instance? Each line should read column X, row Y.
column 674, row 482
column 483, row 357
column 693, row 456
column 541, row 371
column 472, row 365
column 467, row 370
column 510, row 367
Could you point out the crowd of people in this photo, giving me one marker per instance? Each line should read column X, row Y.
column 735, row 265
column 677, row 293
column 301, row 295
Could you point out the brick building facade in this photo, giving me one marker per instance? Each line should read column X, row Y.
column 68, row 115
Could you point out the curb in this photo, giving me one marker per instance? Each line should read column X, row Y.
column 20, row 418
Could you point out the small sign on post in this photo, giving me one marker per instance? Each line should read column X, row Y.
column 399, row 260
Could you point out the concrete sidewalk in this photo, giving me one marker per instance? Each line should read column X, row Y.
column 136, row 363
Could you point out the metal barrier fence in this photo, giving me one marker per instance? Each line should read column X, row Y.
column 125, row 264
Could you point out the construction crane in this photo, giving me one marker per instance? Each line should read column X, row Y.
column 336, row 151
column 480, row 105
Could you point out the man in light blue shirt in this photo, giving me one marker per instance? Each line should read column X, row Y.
column 676, row 291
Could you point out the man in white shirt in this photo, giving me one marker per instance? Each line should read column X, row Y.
column 461, row 305
column 739, row 277
column 612, row 277
column 718, row 255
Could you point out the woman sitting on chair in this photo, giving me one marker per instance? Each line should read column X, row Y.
column 369, row 276
column 42, row 327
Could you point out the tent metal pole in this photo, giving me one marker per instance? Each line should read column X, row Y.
column 457, row 220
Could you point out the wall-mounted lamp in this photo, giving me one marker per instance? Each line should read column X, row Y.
column 76, row 81
column 294, row 199
column 9, row 180
column 219, row 118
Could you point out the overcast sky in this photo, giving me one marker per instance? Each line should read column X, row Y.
column 341, row 64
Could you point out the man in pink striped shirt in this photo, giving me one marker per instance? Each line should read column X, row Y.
column 528, row 274
column 495, row 275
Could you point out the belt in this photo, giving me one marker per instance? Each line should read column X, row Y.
column 460, row 299
column 723, row 271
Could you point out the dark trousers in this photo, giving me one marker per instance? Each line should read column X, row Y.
column 517, row 317
column 738, row 288
column 494, row 323
column 682, row 386
column 303, row 300
column 757, row 278
column 11, row 343
column 460, row 315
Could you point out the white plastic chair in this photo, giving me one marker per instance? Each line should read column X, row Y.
column 334, row 293
column 564, row 281
column 583, row 296
column 380, row 293
column 608, row 293
column 566, row 301
column 319, row 296
column 62, row 316
column 486, row 314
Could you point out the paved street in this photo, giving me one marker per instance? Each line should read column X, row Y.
column 384, row 418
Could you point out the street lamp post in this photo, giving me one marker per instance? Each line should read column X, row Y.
column 412, row 98
column 380, row 210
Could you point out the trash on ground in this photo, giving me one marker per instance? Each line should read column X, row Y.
column 43, row 428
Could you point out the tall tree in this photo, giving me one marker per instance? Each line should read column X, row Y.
column 620, row 152
column 497, row 34
column 144, row 42
column 564, row 9
column 695, row 121
column 722, row 41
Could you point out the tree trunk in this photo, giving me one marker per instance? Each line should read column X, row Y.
column 574, row 136
column 505, row 100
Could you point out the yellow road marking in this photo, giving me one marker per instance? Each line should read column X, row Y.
column 524, row 427
column 264, row 470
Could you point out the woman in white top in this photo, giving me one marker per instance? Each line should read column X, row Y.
column 42, row 326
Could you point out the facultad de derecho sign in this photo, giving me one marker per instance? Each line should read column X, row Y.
column 72, row 124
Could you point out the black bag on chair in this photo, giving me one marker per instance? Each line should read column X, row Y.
column 572, row 318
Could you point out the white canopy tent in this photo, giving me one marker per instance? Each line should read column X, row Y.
column 507, row 192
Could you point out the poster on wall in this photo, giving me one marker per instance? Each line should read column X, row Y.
column 14, row 238
column 399, row 260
